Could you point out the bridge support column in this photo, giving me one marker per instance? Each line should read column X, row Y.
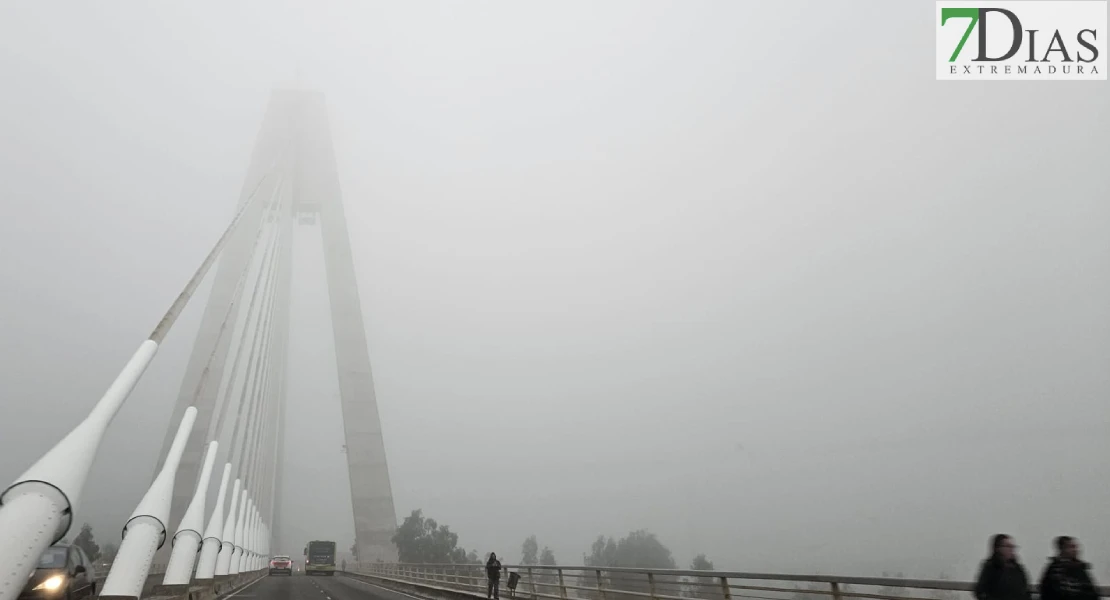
column 210, row 547
column 227, row 538
column 145, row 532
column 187, row 539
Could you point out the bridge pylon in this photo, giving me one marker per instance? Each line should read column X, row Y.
column 294, row 160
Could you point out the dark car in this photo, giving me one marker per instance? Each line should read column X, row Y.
column 281, row 564
column 63, row 573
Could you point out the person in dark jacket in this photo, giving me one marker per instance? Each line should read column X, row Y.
column 493, row 574
column 1066, row 577
column 1002, row 577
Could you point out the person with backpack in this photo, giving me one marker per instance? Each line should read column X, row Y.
column 1001, row 576
column 493, row 575
column 1066, row 577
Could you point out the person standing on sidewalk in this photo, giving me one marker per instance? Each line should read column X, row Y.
column 1066, row 577
column 493, row 574
column 1002, row 577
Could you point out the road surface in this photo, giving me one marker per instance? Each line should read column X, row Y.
column 301, row 587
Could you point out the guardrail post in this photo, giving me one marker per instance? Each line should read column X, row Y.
column 726, row 591
column 835, row 590
column 532, row 583
column 562, row 585
column 600, row 585
column 651, row 584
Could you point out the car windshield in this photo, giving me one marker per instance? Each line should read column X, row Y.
column 281, row 558
column 53, row 558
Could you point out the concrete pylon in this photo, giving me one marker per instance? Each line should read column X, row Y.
column 295, row 140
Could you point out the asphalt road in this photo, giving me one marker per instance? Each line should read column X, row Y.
column 302, row 587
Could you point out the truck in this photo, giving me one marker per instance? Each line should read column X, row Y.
column 319, row 558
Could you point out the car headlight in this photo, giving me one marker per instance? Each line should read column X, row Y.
column 51, row 584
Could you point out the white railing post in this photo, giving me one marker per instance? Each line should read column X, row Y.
column 186, row 541
column 145, row 531
column 227, row 538
column 210, row 547
column 37, row 509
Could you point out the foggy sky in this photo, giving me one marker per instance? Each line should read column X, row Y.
column 743, row 274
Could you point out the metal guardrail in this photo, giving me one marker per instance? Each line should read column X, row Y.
column 590, row 583
column 102, row 569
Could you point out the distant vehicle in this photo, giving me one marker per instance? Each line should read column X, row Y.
column 64, row 572
column 319, row 558
column 281, row 564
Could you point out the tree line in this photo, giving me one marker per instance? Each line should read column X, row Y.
column 422, row 539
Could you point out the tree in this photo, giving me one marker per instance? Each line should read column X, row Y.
column 108, row 554
column 85, row 541
column 639, row 549
column 701, row 587
column 548, row 577
column 354, row 550
column 423, row 540
column 530, row 551
column 603, row 553
column 701, row 563
column 642, row 549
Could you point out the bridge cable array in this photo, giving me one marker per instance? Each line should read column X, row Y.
column 37, row 509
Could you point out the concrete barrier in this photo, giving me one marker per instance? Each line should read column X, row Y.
column 153, row 589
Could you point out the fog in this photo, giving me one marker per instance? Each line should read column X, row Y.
column 743, row 274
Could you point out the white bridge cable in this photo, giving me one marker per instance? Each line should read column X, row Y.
column 244, row 324
column 277, row 389
column 263, row 432
column 216, row 426
column 238, row 380
column 261, row 425
column 232, row 310
column 264, row 448
column 163, row 326
column 263, row 457
column 264, row 389
column 184, row 556
column 250, row 396
column 37, row 509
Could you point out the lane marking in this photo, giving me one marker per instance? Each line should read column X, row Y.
column 384, row 588
column 242, row 589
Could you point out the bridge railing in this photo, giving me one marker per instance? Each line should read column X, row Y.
column 102, row 568
column 590, row 583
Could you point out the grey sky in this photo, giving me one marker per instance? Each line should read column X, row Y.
column 740, row 273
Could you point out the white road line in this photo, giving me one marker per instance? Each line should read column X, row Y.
column 386, row 589
column 243, row 589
